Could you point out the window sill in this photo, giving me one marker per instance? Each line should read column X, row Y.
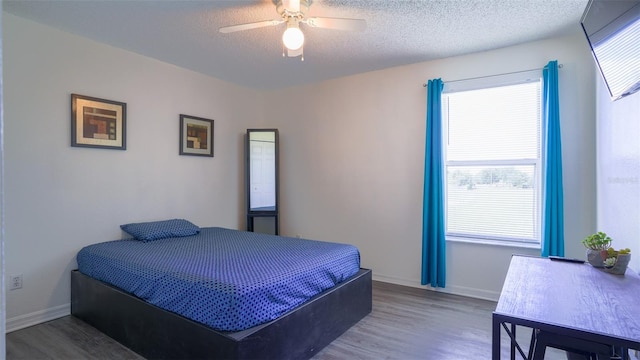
column 512, row 244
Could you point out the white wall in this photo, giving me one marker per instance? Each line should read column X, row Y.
column 352, row 160
column 60, row 198
column 618, row 162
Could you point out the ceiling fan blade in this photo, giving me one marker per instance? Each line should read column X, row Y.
column 249, row 26
column 291, row 5
column 336, row 23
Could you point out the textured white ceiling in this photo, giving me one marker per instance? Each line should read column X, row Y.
column 399, row 32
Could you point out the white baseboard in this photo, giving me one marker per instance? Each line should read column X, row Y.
column 450, row 289
column 37, row 317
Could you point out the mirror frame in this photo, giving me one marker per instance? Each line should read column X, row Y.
column 251, row 214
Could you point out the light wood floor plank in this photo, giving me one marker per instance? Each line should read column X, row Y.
column 405, row 324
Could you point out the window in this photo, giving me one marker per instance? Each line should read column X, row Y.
column 492, row 137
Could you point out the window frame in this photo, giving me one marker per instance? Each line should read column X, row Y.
column 538, row 163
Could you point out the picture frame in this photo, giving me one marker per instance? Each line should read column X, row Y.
column 196, row 136
column 98, row 123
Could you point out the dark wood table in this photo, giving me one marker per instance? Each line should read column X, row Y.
column 567, row 299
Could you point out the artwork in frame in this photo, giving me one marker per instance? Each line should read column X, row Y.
column 196, row 136
column 98, row 123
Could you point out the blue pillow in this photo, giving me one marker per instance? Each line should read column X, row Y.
column 155, row 230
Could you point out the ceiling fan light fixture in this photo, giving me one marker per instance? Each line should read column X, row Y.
column 293, row 38
column 294, row 13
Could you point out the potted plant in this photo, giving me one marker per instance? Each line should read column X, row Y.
column 597, row 245
column 617, row 260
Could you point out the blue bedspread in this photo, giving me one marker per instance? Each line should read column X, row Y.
column 227, row 279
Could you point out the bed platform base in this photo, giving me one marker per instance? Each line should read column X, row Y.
column 159, row 334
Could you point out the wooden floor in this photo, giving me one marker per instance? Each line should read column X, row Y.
column 406, row 323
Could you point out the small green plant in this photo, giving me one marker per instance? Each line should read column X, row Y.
column 611, row 252
column 598, row 241
column 609, row 262
column 612, row 256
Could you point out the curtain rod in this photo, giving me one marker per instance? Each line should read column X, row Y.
column 486, row 76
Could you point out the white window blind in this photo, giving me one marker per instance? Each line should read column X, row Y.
column 492, row 137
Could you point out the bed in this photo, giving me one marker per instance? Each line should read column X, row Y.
column 240, row 295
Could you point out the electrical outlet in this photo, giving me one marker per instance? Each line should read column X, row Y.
column 15, row 282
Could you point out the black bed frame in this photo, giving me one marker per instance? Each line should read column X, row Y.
column 159, row 334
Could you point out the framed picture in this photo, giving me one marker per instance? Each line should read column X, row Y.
column 98, row 123
column 196, row 136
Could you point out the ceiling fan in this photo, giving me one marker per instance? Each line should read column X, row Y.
column 293, row 13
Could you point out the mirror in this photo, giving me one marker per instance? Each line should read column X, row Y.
column 262, row 175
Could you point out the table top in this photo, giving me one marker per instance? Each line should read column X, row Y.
column 572, row 295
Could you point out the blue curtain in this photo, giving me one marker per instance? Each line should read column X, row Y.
column 433, row 241
column 553, row 217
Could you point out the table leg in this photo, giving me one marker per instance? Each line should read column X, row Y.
column 513, row 342
column 624, row 353
column 495, row 339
